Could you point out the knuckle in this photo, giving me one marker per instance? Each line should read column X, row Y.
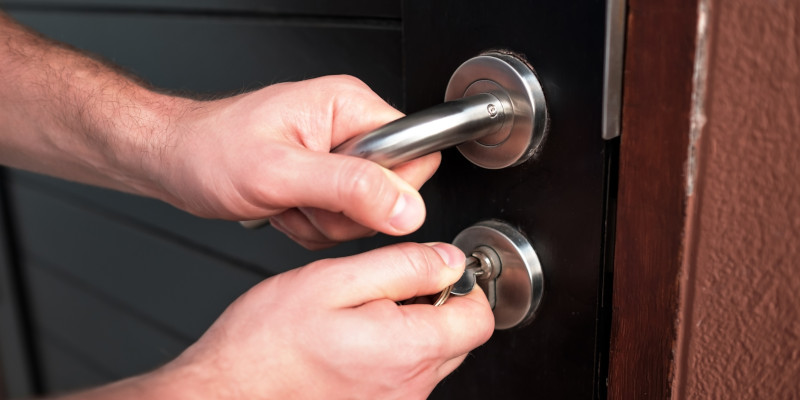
column 341, row 85
column 363, row 185
column 349, row 80
column 422, row 262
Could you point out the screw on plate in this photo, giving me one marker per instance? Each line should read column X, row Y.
column 492, row 110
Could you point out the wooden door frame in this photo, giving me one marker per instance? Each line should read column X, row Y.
column 652, row 197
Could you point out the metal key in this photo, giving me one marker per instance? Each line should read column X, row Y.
column 484, row 263
column 466, row 283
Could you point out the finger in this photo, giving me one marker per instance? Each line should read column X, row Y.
column 463, row 322
column 296, row 226
column 449, row 366
column 356, row 109
column 336, row 227
column 364, row 191
column 418, row 171
column 340, row 228
column 396, row 272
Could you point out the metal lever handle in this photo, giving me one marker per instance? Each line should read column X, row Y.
column 494, row 111
column 439, row 127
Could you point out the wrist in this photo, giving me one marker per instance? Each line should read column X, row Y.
column 145, row 140
column 188, row 378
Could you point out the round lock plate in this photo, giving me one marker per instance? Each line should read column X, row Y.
column 520, row 285
column 520, row 89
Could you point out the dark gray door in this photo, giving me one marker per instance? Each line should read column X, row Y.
column 557, row 198
column 112, row 285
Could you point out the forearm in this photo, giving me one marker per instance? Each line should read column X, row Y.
column 65, row 114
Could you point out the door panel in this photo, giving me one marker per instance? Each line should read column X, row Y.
column 556, row 198
column 126, row 266
column 126, row 258
column 251, row 250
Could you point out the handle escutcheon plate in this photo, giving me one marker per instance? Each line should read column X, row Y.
column 514, row 81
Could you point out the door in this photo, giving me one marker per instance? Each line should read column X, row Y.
column 114, row 285
column 557, row 198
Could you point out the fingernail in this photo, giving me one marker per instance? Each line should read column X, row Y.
column 408, row 213
column 451, row 255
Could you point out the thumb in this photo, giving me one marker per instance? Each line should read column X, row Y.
column 363, row 191
column 396, row 272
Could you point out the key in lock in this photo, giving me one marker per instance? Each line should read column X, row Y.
column 482, row 264
column 502, row 261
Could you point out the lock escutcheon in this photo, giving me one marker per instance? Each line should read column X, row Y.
column 516, row 286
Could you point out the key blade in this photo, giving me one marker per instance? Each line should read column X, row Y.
column 466, row 283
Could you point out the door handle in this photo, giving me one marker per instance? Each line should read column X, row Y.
column 439, row 127
column 494, row 112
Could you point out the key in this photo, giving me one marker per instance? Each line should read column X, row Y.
column 466, row 283
column 483, row 263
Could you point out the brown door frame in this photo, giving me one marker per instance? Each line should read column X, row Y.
column 652, row 197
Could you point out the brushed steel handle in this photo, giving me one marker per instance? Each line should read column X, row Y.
column 437, row 128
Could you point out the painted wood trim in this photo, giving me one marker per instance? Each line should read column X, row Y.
column 652, row 197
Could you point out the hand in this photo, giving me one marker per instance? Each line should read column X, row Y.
column 332, row 330
column 266, row 154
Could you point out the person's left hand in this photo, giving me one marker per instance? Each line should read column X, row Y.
column 332, row 330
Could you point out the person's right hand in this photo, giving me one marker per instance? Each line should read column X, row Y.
column 332, row 330
column 266, row 154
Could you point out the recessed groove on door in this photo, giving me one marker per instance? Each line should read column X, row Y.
column 105, row 338
column 225, row 241
column 55, row 349
column 65, row 372
column 99, row 296
column 101, row 210
column 180, row 288
column 17, row 330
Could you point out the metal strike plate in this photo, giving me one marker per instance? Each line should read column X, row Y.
column 518, row 288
